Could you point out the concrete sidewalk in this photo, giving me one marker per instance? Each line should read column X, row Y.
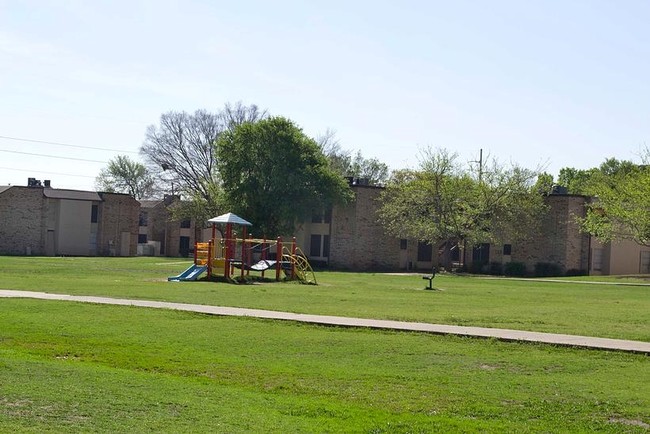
column 483, row 332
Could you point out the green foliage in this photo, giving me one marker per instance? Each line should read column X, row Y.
column 496, row 269
column 547, row 269
column 620, row 210
column 443, row 202
column 123, row 175
column 544, row 183
column 514, row 269
column 274, row 175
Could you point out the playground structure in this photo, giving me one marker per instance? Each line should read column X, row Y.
column 233, row 258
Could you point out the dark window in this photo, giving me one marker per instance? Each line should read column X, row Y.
column 481, row 254
column 403, row 244
column 425, row 252
column 326, row 246
column 328, row 215
column 316, row 217
column 184, row 246
column 507, row 249
column 144, row 218
column 187, row 223
column 314, row 246
column 142, row 238
column 94, row 210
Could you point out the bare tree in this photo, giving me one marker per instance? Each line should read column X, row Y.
column 181, row 148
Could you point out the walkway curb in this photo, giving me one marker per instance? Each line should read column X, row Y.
column 482, row 332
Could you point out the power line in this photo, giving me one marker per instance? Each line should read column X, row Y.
column 66, row 144
column 49, row 173
column 52, row 156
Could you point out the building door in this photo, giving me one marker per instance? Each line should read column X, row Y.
column 184, row 247
column 481, row 255
column 125, row 244
column 50, row 249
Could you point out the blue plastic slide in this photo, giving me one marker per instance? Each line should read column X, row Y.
column 191, row 273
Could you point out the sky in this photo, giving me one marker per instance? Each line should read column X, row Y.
column 542, row 84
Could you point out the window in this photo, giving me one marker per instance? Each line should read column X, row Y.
column 316, row 217
column 314, row 245
column 326, row 246
column 403, row 244
column 184, row 246
column 142, row 238
column 597, row 259
column 185, row 224
column 425, row 252
column 327, row 217
column 144, row 218
column 507, row 249
column 481, row 254
column 645, row 262
column 94, row 211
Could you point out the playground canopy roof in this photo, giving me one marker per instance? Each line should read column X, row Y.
column 230, row 218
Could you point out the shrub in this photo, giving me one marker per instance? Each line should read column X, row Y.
column 575, row 272
column 547, row 269
column 514, row 269
column 496, row 268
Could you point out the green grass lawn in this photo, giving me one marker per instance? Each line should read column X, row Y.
column 72, row 367
column 567, row 307
column 76, row 367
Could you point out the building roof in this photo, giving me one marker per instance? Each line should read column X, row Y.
column 5, row 187
column 230, row 218
column 55, row 193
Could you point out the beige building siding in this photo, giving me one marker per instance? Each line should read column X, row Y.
column 619, row 257
column 46, row 221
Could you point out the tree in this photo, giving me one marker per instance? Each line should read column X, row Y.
column 621, row 208
column 443, row 202
column 181, row 146
column 342, row 162
column 583, row 181
column 371, row 169
column 274, row 175
column 123, row 175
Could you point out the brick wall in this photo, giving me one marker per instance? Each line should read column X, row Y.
column 561, row 241
column 22, row 221
column 118, row 213
column 358, row 241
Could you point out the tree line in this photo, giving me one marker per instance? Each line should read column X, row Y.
column 265, row 168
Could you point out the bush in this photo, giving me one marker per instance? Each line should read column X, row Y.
column 515, row 269
column 496, row 269
column 575, row 272
column 547, row 269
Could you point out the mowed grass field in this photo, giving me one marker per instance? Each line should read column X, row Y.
column 67, row 367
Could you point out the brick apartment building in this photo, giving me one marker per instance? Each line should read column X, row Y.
column 350, row 237
column 40, row 220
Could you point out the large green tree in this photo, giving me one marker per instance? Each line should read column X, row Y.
column 444, row 202
column 621, row 206
column 274, row 175
column 123, row 175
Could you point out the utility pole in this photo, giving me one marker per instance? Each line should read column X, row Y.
column 480, row 166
